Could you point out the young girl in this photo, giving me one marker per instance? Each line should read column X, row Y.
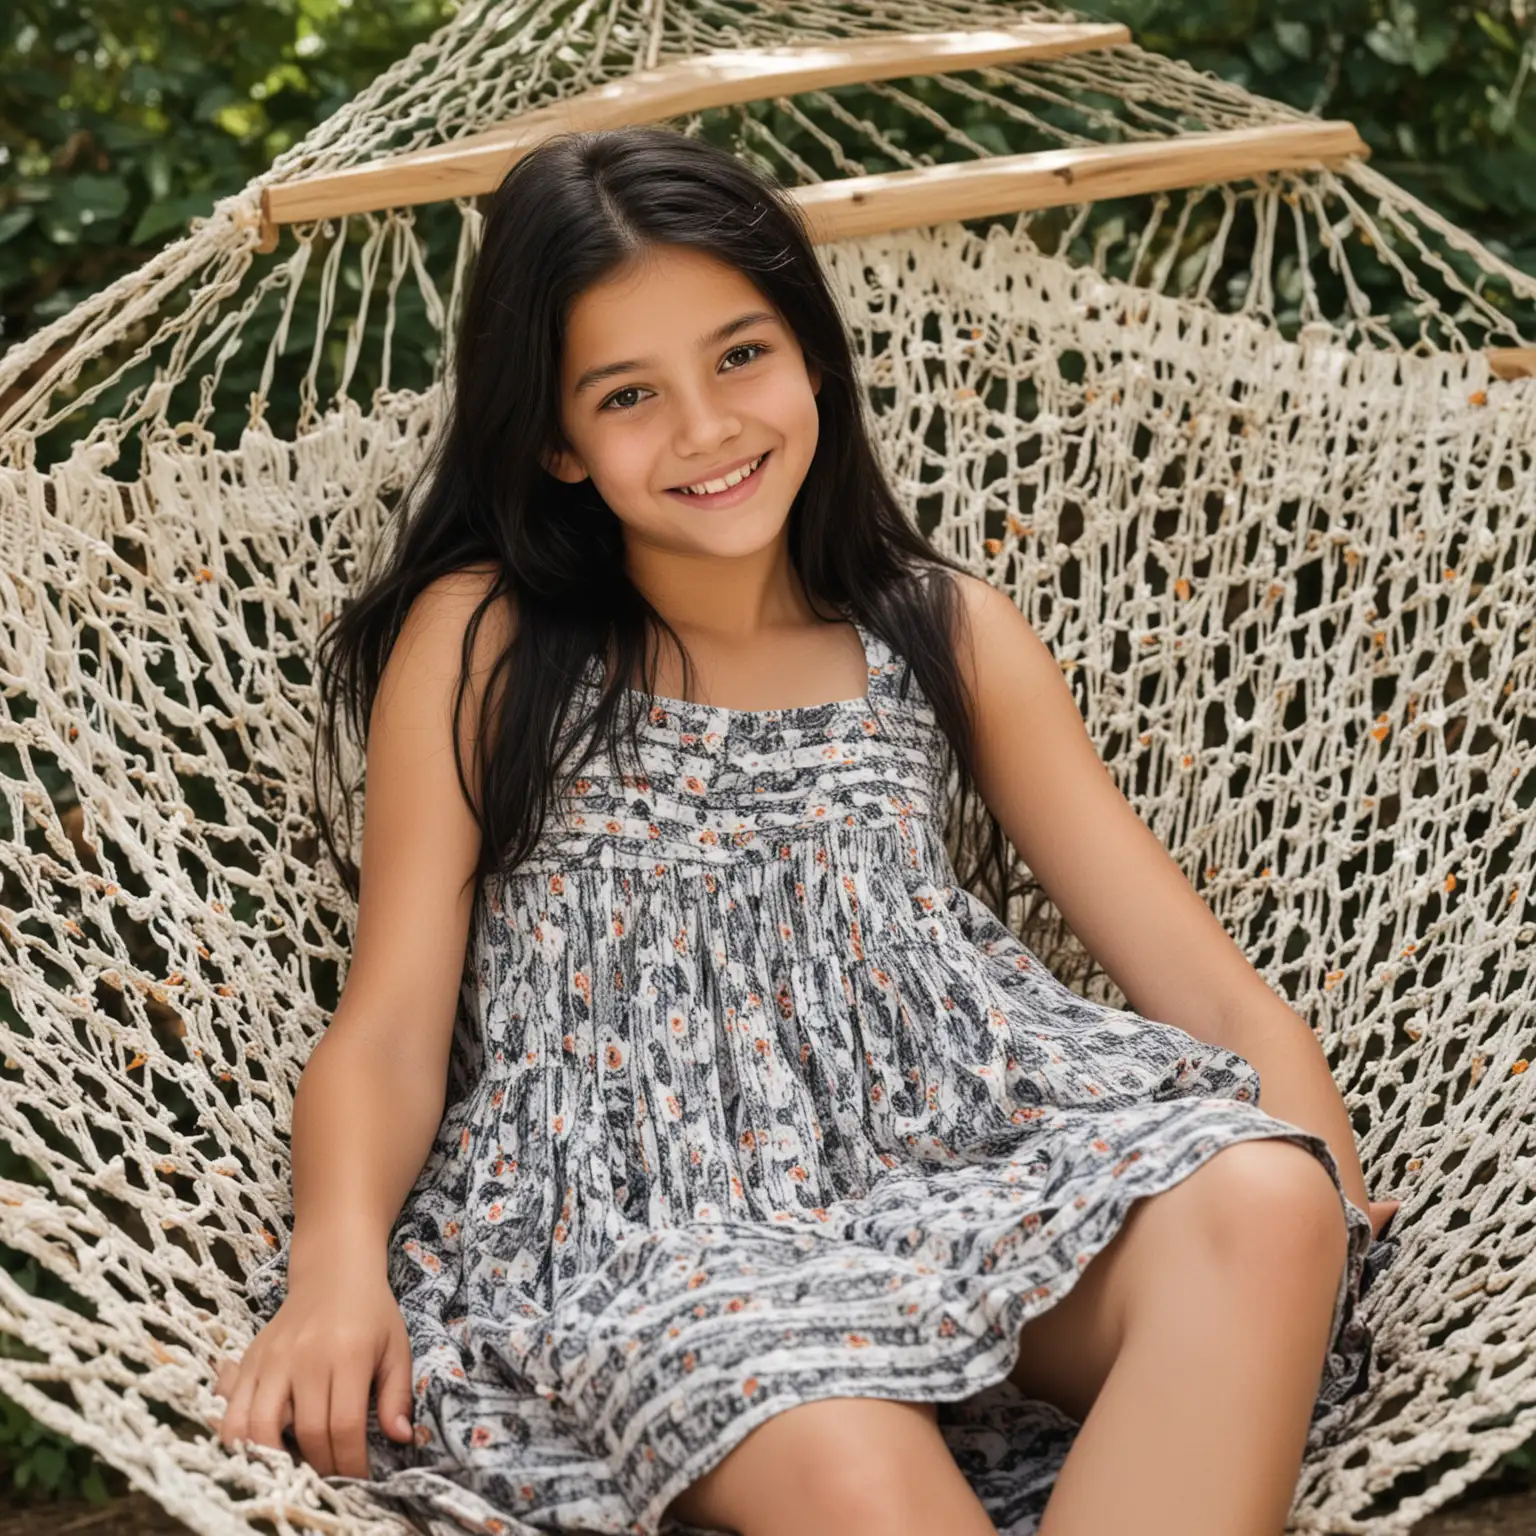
column 767, row 1183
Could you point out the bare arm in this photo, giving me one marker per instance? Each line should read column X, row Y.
column 372, row 1093
column 1115, row 883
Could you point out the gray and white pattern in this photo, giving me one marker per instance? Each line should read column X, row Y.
column 752, row 1105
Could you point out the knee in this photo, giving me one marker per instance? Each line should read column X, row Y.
column 859, row 1482
column 1269, row 1202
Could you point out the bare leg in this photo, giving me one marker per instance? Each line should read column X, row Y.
column 1214, row 1315
column 841, row 1466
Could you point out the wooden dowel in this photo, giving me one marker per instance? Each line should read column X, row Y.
column 867, row 205
column 478, row 162
column 1512, row 362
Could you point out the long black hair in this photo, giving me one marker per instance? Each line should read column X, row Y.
column 574, row 211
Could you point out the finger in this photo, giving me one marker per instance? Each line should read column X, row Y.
column 349, row 1416
column 229, row 1368
column 269, row 1403
column 312, row 1418
column 394, row 1389
column 235, row 1425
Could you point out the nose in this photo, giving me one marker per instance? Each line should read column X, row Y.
column 705, row 423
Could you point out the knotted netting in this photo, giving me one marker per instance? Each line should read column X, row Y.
column 1237, row 452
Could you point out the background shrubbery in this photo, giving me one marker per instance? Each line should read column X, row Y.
column 120, row 120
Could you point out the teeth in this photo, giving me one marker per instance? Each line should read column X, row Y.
column 714, row 487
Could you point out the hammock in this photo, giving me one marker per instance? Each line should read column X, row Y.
column 1244, row 429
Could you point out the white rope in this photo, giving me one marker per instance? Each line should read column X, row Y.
column 1288, row 580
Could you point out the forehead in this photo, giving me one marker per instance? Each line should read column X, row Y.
column 662, row 300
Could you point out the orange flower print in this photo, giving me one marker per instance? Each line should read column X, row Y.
column 613, row 1057
column 693, row 784
column 676, row 1022
column 697, row 1278
column 690, row 1360
column 557, row 881
column 856, row 1340
column 479, row 1436
column 749, row 1386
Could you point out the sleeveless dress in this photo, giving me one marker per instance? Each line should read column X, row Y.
column 751, row 1105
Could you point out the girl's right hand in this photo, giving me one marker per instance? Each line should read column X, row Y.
column 312, row 1367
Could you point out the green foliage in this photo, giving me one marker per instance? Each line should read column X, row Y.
column 121, row 120
column 1443, row 91
column 124, row 119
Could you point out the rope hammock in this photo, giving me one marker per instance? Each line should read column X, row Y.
column 1244, row 429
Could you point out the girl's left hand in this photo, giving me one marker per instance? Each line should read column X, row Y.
column 1381, row 1212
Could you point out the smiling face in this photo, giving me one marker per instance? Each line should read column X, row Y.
column 676, row 372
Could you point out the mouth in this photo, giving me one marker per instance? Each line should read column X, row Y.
column 730, row 494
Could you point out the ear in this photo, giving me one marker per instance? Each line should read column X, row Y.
column 815, row 377
column 564, row 465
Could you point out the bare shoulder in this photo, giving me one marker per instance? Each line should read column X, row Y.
column 421, row 840
column 443, row 608
column 1002, row 657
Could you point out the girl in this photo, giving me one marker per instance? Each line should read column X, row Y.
column 768, row 1182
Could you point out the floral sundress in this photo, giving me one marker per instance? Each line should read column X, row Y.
column 751, row 1105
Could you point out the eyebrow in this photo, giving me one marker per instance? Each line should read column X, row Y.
column 608, row 370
